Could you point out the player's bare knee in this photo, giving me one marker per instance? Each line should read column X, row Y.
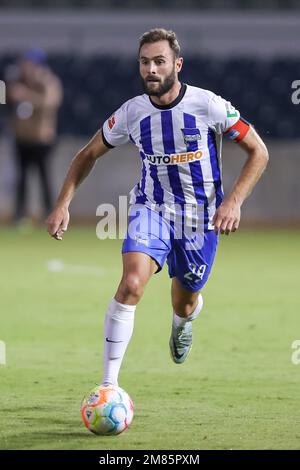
column 131, row 287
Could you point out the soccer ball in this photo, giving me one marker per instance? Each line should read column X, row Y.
column 107, row 410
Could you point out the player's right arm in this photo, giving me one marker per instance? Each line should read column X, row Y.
column 81, row 166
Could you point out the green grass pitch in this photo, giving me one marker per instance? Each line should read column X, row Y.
column 238, row 389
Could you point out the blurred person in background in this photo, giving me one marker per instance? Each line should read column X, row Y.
column 34, row 96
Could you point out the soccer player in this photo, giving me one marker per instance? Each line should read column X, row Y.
column 177, row 129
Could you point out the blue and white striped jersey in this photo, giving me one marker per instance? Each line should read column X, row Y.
column 179, row 145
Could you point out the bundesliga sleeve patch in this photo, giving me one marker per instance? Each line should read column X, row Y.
column 238, row 131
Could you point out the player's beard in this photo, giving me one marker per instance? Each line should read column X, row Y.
column 164, row 86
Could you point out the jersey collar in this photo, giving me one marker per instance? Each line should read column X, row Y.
column 173, row 103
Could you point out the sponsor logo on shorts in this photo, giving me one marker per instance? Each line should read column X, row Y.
column 175, row 158
column 140, row 240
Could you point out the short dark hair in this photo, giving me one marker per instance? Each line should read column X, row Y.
column 161, row 34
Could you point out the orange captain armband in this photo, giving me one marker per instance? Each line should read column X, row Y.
column 238, row 131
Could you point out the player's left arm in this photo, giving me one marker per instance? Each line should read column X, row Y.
column 228, row 214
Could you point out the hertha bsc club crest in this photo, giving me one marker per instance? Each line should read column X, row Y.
column 190, row 135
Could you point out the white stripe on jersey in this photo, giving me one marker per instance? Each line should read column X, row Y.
column 149, row 184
